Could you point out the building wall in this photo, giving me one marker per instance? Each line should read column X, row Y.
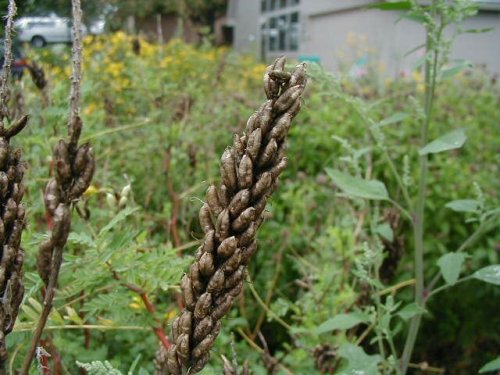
column 341, row 38
column 342, row 32
column 244, row 18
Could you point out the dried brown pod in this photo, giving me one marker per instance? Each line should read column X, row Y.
column 230, row 219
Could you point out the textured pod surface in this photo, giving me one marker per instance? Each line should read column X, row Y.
column 231, row 217
column 12, row 223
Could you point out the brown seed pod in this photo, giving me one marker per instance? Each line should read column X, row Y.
column 222, row 226
column 62, row 163
column 209, row 243
column 224, row 196
column 280, row 75
column 278, row 168
column 239, row 203
column 204, row 346
column 81, row 159
column 233, row 262
column 61, row 225
column 52, row 196
column 248, row 252
column 244, row 220
column 196, row 279
column 233, row 279
column 173, row 365
column 268, row 153
column 288, row 98
column 228, row 170
column 187, row 292
column 271, row 87
column 206, row 263
column 251, row 123
column 280, row 130
column 205, row 218
column 16, row 126
column 213, row 200
column 264, row 117
column 216, row 282
column 227, row 247
column 182, row 344
column 185, row 322
column 239, row 146
column 298, row 76
column 203, row 305
column 44, row 260
column 253, row 144
column 245, row 172
column 222, row 307
column 262, row 185
column 248, row 235
column 4, row 151
column 203, row 328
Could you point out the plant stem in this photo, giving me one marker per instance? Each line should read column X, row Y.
column 47, row 306
column 446, row 286
column 265, row 307
column 418, row 220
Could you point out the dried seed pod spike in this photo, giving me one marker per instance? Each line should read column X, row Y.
column 249, row 171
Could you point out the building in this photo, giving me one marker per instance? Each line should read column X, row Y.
column 348, row 34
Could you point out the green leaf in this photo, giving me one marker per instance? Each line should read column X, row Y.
column 411, row 310
column 450, row 265
column 122, row 215
column 359, row 361
column 451, row 71
column 395, row 5
column 476, row 31
column 463, row 205
column 449, row 141
column 491, row 366
column 385, row 231
column 358, row 187
column 490, row 274
column 396, row 117
column 342, row 321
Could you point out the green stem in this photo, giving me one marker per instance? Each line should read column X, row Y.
column 446, row 286
column 418, row 220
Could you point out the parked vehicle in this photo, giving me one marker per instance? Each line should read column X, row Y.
column 19, row 61
column 41, row 30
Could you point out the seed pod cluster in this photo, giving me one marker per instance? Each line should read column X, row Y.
column 73, row 170
column 12, row 223
column 230, row 218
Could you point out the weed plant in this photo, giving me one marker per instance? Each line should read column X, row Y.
column 345, row 283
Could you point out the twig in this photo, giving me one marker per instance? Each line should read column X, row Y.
column 12, row 10
column 159, row 332
column 47, row 306
column 76, row 76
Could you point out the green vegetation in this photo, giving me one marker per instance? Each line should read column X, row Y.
column 341, row 250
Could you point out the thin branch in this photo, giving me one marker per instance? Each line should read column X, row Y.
column 76, row 76
column 12, row 10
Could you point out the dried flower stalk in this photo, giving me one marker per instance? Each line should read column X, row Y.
column 230, row 219
column 12, row 212
column 73, row 168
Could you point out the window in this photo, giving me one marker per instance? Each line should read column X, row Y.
column 294, row 31
column 263, row 6
column 273, row 34
column 282, row 4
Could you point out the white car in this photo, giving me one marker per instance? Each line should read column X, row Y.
column 44, row 29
